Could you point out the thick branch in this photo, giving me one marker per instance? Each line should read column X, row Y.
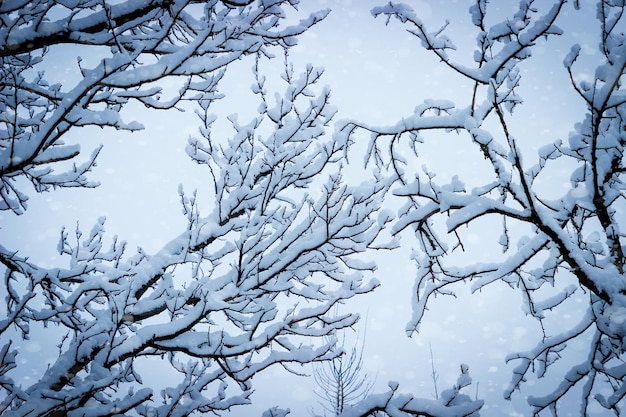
column 26, row 40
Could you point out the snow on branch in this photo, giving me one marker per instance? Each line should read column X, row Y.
column 250, row 283
column 135, row 44
column 452, row 403
column 550, row 246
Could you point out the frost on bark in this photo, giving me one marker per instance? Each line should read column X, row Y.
column 552, row 244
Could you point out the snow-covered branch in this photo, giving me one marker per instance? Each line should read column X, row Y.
column 552, row 244
column 249, row 283
column 134, row 44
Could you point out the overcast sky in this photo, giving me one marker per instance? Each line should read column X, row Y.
column 377, row 74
